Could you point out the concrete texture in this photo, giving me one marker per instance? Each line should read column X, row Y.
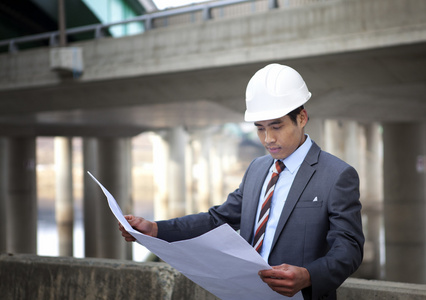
column 42, row 278
column 360, row 289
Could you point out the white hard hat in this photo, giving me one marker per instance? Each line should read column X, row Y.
column 273, row 92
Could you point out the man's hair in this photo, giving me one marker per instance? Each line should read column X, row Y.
column 294, row 113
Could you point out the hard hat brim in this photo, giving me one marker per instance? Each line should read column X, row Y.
column 275, row 114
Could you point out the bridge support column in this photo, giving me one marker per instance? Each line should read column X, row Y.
column 315, row 129
column 216, row 172
column 114, row 172
column 64, row 204
column 3, row 194
column 177, row 139
column 374, row 162
column 202, row 171
column 21, row 196
column 92, row 198
column 160, row 155
column 170, row 173
column 189, row 178
column 404, row 201
column 372, row 201
column 354, row 146
column 344, row 140
column 333, row 142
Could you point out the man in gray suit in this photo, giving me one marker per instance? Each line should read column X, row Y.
column 298, row 206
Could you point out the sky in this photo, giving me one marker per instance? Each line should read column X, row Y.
column 162, row 4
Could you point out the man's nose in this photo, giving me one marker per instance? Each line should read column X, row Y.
column 269, row 137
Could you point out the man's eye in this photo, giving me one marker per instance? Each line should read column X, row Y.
column 260, row 129
column 276, row 127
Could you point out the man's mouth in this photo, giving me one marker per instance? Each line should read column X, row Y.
column 273, row 149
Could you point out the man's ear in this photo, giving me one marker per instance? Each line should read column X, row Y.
column 303, row 118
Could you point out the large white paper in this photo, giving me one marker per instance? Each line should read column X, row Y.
column 220, row 261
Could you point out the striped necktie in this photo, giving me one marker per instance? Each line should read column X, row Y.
column 266, row 205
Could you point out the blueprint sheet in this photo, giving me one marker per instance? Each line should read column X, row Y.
column 220, row 261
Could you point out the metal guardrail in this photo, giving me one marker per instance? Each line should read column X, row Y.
column 99, row 29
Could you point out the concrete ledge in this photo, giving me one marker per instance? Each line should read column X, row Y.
column 24, row 276
column 358, row 289
column 39, row 278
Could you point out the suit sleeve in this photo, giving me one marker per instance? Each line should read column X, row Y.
column 344, row 238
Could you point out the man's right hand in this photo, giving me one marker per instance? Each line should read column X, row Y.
column 141, row 225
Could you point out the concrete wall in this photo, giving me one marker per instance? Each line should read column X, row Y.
column 33, row 277
column 42, row 278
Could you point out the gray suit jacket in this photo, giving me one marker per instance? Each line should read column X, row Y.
column 324, row 236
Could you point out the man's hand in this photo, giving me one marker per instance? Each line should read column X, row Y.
column 286, row 279
column 141, row 225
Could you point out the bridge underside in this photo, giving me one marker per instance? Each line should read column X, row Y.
column 362, row 60
column 376, row 85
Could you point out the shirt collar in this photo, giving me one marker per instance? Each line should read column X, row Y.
column 294, row 160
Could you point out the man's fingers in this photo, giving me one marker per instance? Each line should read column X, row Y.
column 129, row 239
column 127, row 236
column 129, row 217
column 281, row 286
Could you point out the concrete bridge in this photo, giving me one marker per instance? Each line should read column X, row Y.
column 363, row 60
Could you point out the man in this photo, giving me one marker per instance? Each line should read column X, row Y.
column 299, row 206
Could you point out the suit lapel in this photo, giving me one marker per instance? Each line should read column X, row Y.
column 252, row 190
column 300, row 181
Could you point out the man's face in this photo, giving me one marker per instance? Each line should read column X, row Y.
column 281, row 137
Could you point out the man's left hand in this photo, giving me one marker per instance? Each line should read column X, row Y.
column 286, row 279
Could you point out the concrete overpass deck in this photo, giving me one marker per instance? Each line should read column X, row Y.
column 362, row 60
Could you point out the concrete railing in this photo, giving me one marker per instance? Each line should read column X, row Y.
column 146, row 19
column 40, row 278
column 149, row 20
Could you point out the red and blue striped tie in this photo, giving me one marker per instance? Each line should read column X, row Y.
column 266, row 205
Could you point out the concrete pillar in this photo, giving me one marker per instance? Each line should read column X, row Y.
column 114, row 173
column 170, row 173
column 315, row 129
column 160, row 161
column 404, row 201
column 128, row 207
column 177, row 139
column 345, row 140
column 333, row 138
column 22, row 196
column 374, row 161
column 216, row 172
column 3, row 194
column 372, row 202
column 203, row 171
column 189, row 180
column 230, row 162
column 64, row 204
column 354, row 148
column 92, row 197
